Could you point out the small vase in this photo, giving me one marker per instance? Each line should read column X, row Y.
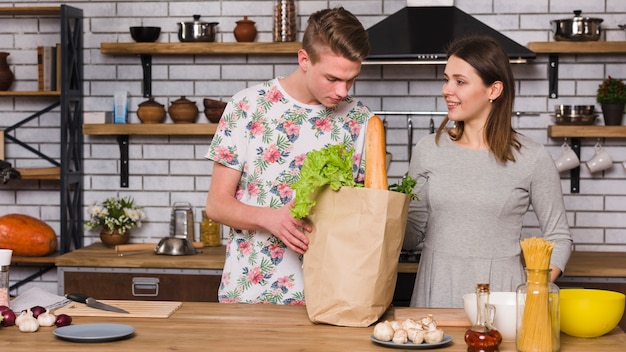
column 245, row 31
column 613, row 114
column 113, row 239
column 6, row 76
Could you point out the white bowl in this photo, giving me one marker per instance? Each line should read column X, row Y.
column 506, row 312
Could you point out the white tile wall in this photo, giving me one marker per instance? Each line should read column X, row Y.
column 164, row 169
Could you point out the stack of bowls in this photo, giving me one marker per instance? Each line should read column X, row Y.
column 213, row 109
column 575, row 114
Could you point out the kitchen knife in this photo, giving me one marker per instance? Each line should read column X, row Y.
column 93, row 303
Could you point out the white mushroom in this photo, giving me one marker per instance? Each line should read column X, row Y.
column 416, row 335
column 400, row 337
column 411, row 324
column 434, row 336
column 383, row 331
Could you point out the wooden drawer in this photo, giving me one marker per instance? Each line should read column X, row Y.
column 141, row 285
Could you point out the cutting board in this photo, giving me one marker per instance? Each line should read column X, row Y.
column 443, row 316
column 137, row 309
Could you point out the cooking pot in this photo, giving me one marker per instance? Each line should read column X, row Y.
column 175, row 246
column 196, row 31
column 577, row 29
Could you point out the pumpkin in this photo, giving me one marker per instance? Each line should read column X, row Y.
column 375, row 155
column 27, row 236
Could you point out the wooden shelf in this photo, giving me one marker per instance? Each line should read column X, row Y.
column 583, row 131
column 199, row 48
column 150, row 129
column 40, row 173
column 34, row 11
column 562, row 47
column 35, row 93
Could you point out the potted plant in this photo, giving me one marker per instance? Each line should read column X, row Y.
column 611, row 95
column 115, row 217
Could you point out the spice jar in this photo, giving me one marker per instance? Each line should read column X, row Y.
column 482, row 336
column 538, row 325
column 285, row 21
column 210, row 231
column 5, row 261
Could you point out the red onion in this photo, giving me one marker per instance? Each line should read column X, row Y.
column 63, row 320
column 8, row 317
column 36, row 310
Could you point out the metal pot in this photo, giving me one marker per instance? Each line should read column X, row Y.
column 577, row 29
column 196, row 31
column 175, row 246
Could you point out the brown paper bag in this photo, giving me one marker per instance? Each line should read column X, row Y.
column 350, row 268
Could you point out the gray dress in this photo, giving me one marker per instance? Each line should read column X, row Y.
column 469, row 216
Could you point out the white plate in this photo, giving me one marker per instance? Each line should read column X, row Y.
column 414, row 346
column 94, row 332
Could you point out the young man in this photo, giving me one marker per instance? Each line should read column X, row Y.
column 262, row 139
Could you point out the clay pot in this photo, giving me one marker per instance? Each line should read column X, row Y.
column 183, row 110
column 151, row 111
column 113, row 239
column 6, row 76
column 245, row 31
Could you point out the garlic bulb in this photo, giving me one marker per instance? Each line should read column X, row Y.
column 383, row 331
column 46, row 318
column 28, row 324
column 22, row 316
column 400, row 336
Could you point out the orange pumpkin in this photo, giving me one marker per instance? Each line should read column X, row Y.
column 27, row 236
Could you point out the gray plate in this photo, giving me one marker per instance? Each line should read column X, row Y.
column 414, row 346
column 94, row 332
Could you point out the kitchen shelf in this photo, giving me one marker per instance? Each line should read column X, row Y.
column 30, row 11
column 150, row 129
column 40, row 173
column 30, row 93
column 564, row 47
column 122, row 131
column 575, row 133
column 199, row 48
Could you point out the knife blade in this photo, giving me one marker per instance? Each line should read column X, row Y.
column 93, row 303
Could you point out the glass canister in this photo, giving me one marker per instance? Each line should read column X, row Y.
column 482, row 336
column 5, row 261
column 538, row 325
column 210, row 231
column 285, row 21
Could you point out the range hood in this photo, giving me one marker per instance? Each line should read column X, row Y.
column 420, row 35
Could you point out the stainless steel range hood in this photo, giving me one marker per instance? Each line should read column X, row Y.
column 420, row 35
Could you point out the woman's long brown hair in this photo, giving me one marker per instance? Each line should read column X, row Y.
column 491, row 63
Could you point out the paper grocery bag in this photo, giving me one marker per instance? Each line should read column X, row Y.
column 350, row 267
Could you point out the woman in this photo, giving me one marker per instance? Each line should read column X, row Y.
column 478, row 180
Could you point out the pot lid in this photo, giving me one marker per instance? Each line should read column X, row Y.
column 577, row 17
column 183, row 100
column 196, row 21
column 245, row 20
column 150, row 102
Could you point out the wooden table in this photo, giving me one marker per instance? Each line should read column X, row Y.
column 241, row 327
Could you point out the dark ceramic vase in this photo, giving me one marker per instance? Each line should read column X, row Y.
column 613, row 114
column 113, row 239
column 6, row 76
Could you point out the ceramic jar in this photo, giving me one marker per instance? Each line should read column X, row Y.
column 245, row 31
column 150, row 111
column 6, row 76
column 183, row 110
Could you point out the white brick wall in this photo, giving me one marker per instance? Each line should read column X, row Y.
column 165, row 169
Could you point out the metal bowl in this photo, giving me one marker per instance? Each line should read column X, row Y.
column 175, row 246
column 574, row 110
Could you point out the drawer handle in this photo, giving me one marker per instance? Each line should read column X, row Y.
column 144, row 284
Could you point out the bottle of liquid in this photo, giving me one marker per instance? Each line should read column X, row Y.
column 482, row 336
column 210, row 232
column 285, row 21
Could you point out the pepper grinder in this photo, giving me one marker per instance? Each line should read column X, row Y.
column 5, row 261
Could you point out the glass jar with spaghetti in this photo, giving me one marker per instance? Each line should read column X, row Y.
column 538, row 326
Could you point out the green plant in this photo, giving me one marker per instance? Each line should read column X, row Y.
column 115, row 213
column 611, row 91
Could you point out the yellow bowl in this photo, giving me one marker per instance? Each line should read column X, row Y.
column 590, row 312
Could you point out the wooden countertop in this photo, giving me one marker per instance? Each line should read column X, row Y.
column 581, row 264
column 242, row 327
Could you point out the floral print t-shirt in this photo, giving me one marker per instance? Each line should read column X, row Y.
column 265, row 134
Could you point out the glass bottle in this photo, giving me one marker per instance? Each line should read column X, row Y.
column 538, row 327
column 4, row 285
column 482, row 336
column 210, row 231
column 285, row 21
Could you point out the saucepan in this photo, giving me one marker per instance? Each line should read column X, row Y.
column 196, row 31
column 578, row 28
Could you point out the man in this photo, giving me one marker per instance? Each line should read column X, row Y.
column 262, row 139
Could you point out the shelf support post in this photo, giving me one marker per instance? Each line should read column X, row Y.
column 575, row 172
column 146, row 64
column 122, row 140
column 553, row 76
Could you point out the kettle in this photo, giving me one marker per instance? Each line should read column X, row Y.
column 181, row 222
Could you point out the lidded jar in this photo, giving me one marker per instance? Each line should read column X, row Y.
column 285, row 21
column 538, row 320
column 245, row 31
column 210, row 231
column 482, row 336
column 151, row 111
column 183, row 110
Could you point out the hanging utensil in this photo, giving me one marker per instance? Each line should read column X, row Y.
column 410, row 136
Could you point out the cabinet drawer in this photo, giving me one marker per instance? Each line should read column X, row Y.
column 142, row 286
